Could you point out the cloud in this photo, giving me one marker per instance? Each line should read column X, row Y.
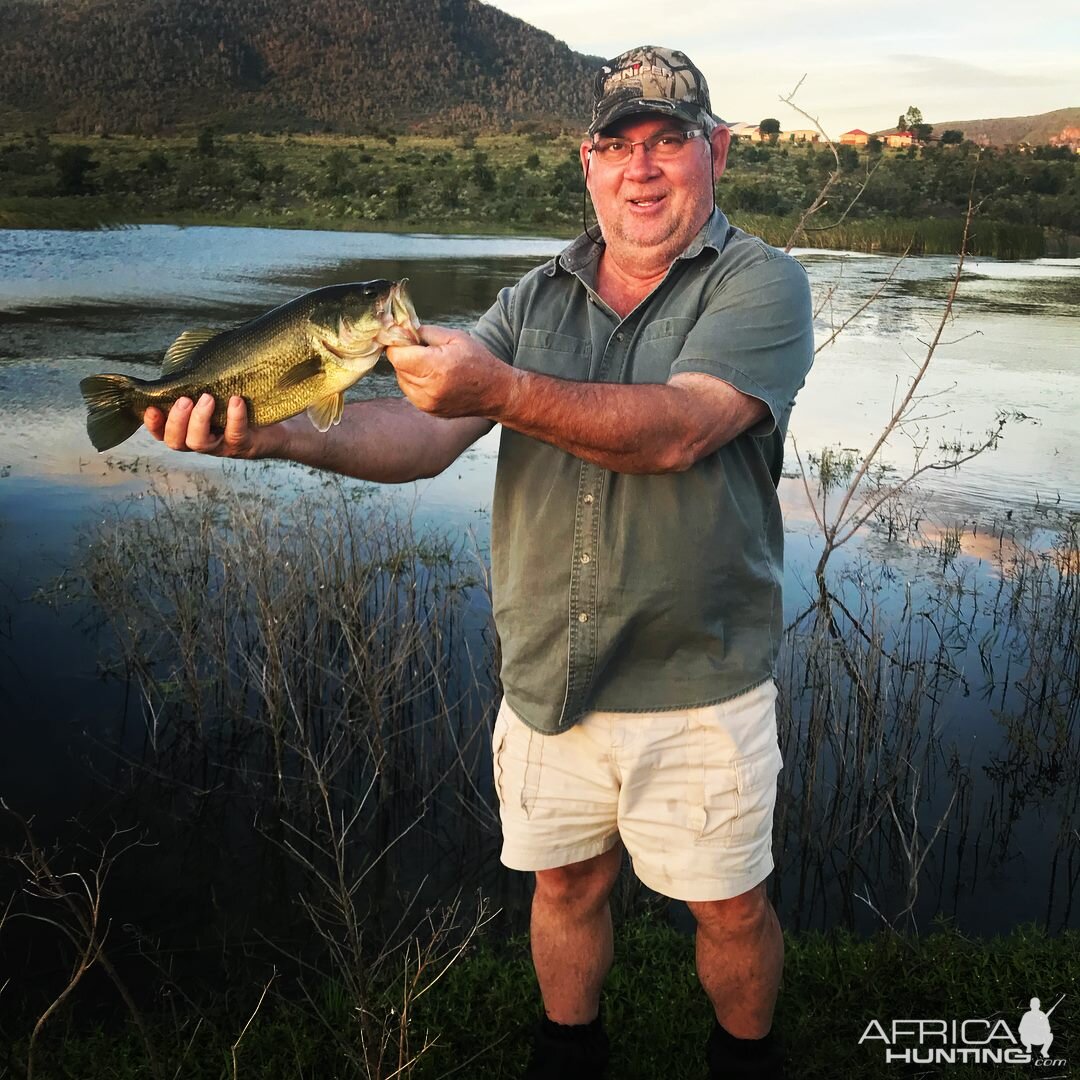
column 942, row 72
column 865, row 63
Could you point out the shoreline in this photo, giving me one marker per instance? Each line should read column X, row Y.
column 893, row 237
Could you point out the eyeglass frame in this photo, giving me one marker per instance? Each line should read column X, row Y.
column 687, row 135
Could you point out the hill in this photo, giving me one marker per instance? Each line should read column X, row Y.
column 1010, row 130
column 148, row 66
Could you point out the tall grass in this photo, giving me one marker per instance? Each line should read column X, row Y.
column 299, row 663
column 929, row 236
column 316, row 682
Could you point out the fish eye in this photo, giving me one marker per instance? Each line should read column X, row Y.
column 369, row 292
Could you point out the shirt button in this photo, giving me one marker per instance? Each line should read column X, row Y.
column 586, row 557
column 583, row 617
column 587, row 500
column 619, row 336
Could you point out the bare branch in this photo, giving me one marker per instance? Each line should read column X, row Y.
column 239, row 1038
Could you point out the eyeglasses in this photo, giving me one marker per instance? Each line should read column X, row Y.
column 664, row 146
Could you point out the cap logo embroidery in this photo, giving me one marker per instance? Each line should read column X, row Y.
column 635, row 69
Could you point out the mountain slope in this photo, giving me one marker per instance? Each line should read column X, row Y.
column 348, row 65
column 1010, row 130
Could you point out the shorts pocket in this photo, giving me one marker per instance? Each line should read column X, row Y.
column 498, row 746
column 756, row 786
column 517, row 754
column 737, row 799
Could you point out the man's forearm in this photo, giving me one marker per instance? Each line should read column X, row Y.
column 644, row 428
column 387, row 441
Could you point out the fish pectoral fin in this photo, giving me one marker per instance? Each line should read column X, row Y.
column 179, row 352
column 306, row 369
column 327, row 412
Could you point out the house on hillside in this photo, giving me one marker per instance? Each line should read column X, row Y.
column 897, row 139
column 744, row 131
column 855, row 137
column 802, row 135
column 1067, row 136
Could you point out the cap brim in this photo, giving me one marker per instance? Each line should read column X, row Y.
column 692, row 114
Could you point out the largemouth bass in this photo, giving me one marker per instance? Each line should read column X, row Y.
column 301, row 355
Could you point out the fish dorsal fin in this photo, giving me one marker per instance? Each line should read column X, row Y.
column 181, row 349
column 327, row 412
column 306, row 369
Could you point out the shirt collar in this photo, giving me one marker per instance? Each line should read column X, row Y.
column 583, row 250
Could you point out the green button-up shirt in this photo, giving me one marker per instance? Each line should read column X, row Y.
column 643, row 593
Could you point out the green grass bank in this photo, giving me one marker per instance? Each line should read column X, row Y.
column 474, row 1021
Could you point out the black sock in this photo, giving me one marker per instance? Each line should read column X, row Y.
column 569, row 1032
column 724, row 1045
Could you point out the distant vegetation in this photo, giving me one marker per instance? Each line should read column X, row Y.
column 529, row 183
column 267, row 65
column 1030, row 201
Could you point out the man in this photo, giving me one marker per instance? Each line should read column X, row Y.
column 644, row 382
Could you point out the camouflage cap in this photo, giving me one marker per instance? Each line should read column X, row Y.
column 651, row 79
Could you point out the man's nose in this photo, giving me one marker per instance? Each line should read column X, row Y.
column 641, row 163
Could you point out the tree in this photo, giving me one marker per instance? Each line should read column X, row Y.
column 952, row 137
column 848, row 157
column 922, row 132
column 910, row 120
column 770, row 126
column 874, row 145
column 73, row 167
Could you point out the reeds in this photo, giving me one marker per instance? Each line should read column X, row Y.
column 299, row 664
column 894, row 715
column 927, row 236
column 316, row 681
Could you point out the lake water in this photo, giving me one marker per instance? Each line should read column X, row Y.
column 72, row 304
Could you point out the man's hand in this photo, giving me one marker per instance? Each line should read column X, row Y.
column 187, row 427
column 452, row 374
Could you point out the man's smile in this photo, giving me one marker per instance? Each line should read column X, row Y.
column 644, row 202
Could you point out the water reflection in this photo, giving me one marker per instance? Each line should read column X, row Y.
column 954, row 596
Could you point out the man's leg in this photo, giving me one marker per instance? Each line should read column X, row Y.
column 571, row 935
column 740, row 955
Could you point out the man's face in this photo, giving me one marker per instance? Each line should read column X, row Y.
column 650, row 207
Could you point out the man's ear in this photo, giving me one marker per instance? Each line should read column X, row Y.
column 584, row 154
column 720, row 142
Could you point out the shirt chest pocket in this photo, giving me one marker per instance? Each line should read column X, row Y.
column 656, row 349
column 555, row 354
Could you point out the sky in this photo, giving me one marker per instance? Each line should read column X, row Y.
column 864, row 62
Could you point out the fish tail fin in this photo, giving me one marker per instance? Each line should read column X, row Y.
column 111, row 416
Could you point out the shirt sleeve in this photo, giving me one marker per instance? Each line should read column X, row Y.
column 756, row 333
column 494, row 329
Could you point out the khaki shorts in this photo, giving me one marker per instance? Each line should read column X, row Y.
column 690, row 793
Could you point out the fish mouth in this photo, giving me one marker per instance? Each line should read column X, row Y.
column 401, row 326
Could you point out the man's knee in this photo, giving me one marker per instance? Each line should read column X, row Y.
column 584, row 885
column 746, row 913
